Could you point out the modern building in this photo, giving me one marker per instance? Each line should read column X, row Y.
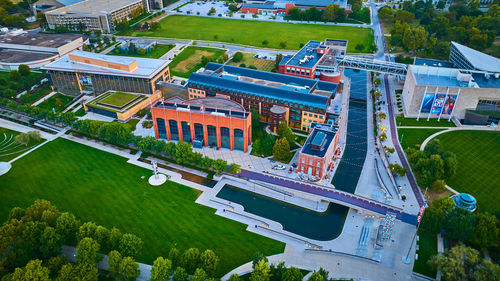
column 306, row 101
column 316, row 60
column 282, row 7
column 91, row 73
column 464, row 57
column 320, row 150
column 48, row 5
column 95, row 14
column 36, row 50
column 211, row 121
column 120, row 105
column 437, row 92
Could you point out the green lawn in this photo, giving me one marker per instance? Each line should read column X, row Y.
column 422, row 122
column 9, row 149
column 156, row 53
column 413, row 138
column 189, row 60
column 427, row 248
column 118, row 99
column 36, row 95
column 255, row 32
column 102, row 187
column 58, row 101
column 478, row 155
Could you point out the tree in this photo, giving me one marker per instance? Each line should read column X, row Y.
column 464, row 263
column 183, row 152
column 209, row 262
column 41, row 19
column 24, row 70
column 161, row 270
column 316, row 276
column 155, row 26
column 16, row 213
column 434, row 147
column 359, row 47
column 141, row 51
column 435, row 216
column 281, row 149
column 219, row 165
column 329, row 13
column 284, row 131
column 450, row 165
column 404, row 16
column 87, row 229
column 191, row 259
column 22, row 138
column 174, row 257
column 385, row 13
column 397, row 169
column 180, row 275
column 51, row 242
column 86, row 251
column 115, row 236
column 438, row 185
column 261, row 271
column 146, row 143
column 486, row 232
column 233, row 7
column 258, row 256
column 212, row 11
column 382, row 115
column 129, row 269
column 130, row 245
column 382, row 137
column 459, row 224
column 294, row 13
column 234, row 168
column 265, row 42
column 102, row 237
column 234, row 277
column 237, row 57
column 36, row 210
column 414, row 38
column 292, row 274
column 33, row 271
column 14, row 75
column 114, row 261
column 199, row 275
column 35, row 136
column 283, row 44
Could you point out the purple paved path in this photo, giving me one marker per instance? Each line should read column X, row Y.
column 394, row 136
column 363, row 203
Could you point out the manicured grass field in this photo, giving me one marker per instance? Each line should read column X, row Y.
column 413, row 138
column 427, row 245
column 255, row 32
column 478, row 155
column 260, row 64
column 189, row 60
column 102, row 187
column 118, row 99
column 58, row 101
column 40, row 93
column 9, row 149
column 422, row 122
column 159, row 51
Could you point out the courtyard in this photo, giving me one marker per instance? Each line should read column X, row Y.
column 189, row 60
column 101, row 187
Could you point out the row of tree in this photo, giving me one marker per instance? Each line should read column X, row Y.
column 181, row 152
column 14, row 15
column 463, row 23
column 433, row 165
column 31, row 241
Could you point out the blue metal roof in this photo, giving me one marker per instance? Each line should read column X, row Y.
column 319, row 138
column 269, row 76
column 284, row 95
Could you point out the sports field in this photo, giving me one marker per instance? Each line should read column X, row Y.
column 118, row 99
column 254, row 33
column 189, row 60
column 248, row 60
column 9, row 149
column 478, row 155
column 103, row 188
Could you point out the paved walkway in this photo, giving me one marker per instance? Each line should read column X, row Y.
column 43, row 99
column 145, row 269
column 170, row 55
column 336, row 196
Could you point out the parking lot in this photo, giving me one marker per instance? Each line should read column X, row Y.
column 202, row 8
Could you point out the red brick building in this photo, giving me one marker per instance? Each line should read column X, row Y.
column 319, row 151
column 213, row 121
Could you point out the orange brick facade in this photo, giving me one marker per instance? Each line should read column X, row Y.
column 239, row 129
column 319, row 166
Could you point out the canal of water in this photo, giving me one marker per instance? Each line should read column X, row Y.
column 315, row 225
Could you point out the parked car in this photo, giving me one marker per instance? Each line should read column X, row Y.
column 279, row 167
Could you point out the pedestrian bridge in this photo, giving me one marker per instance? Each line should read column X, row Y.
column 369, row 64
column 333, row 195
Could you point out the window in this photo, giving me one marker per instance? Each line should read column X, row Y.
column 318, row 164
column 303, row 160
column 310, row 162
